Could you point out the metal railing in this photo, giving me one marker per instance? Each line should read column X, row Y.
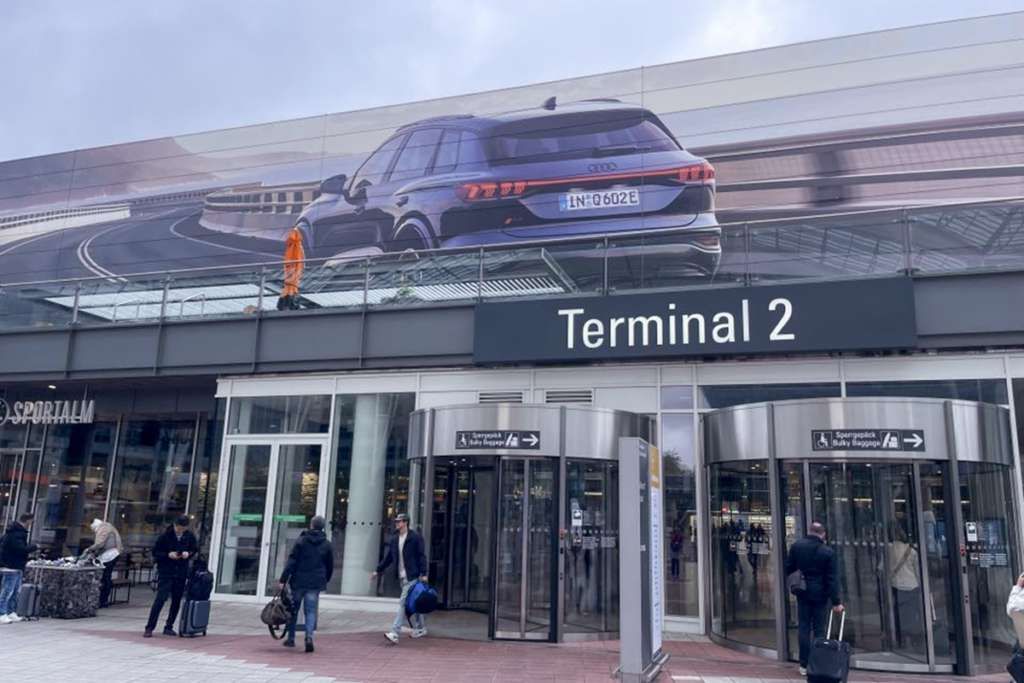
column 911, row 240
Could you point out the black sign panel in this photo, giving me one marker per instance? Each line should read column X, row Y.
column 820, row 316
column 510, row 440
column 867, row 439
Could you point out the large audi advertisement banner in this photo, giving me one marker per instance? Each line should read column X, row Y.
column 741, row 153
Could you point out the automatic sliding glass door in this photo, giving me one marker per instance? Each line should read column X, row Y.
column 272, row 490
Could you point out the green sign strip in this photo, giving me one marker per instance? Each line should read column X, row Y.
column 289, row 518
column 247, row 517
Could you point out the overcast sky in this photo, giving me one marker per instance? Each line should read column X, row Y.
column 80, row 74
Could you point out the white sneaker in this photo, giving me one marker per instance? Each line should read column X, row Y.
column 419, row 633
column 392, row 637
column 4, row 619
column 14, row 618
column 803, row 671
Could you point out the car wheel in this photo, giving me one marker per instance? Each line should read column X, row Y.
column 412, row 237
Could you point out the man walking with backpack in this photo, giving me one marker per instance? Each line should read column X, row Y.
column 405, row 550
column 819, row 587
column 171, row 554
column 308, row 571
column 14, row 552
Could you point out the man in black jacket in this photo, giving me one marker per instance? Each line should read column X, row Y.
column 817, row 562
column 171, row 555
column 308, row 571
column 405, row 550
column 14, row 552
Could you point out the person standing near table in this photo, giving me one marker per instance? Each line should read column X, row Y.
column 106, row 547
column 171, row 553
column 14, row 552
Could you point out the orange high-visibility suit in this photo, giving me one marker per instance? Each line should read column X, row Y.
column 293, row 262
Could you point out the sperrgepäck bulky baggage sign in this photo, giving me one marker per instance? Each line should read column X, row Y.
column 498, row 439
column 867, row 440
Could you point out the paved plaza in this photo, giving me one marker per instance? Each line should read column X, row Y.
column 350, row 649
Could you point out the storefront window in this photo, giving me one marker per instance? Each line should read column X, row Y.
column 151, row 477
column 982, row 390
column 73, row 485
column 681, row 573
column 280, row 415
column 12, row 436
column 712, row 397
column 371, row 485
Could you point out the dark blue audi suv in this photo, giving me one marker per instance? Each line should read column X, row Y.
column 559, row 170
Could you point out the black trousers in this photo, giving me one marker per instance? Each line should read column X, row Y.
column 167, row 586
column 107, row 585
column 810, row 616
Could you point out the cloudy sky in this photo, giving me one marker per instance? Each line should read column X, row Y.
column 80, row 74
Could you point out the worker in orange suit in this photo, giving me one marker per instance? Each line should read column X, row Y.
column 293, row 262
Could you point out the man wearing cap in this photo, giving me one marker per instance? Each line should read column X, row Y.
column 405, row 550
column 171, row 554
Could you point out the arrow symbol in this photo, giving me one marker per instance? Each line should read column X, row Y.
column 531, row 439
column 914, row 440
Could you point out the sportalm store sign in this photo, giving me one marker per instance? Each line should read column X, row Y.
column 821, row 316
column 47, row 412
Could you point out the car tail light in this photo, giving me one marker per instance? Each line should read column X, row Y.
column 700, row 172
column 707, row 240
column 506, row 189
column 696, row 173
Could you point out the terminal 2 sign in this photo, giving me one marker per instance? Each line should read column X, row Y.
column 763, row 319
column 47, row 412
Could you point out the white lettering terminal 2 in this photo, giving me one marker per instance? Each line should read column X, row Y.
column 671, row 328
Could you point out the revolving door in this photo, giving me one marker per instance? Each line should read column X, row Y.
column 917, row 500
column 518, row 505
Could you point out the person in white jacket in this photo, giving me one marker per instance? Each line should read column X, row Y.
column 1015, row 605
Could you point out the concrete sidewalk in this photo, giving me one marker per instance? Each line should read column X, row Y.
column 351, row 649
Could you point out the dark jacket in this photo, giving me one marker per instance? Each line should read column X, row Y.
column 817, row 562
column 413, row 554
column 15, row 548
column 170, row 543
column 311, row 562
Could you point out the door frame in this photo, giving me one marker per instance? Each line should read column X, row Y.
column 931, row 666
column 554, row 583
column 17, row 477
column 275, row 442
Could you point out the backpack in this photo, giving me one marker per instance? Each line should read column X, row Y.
column 200, row 585
column 422, row 599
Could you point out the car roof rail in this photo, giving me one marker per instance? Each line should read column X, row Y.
column 436, row 119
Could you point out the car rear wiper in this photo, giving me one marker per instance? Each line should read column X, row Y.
column 617, row 151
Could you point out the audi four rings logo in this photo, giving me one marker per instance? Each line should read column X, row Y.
column 602, row 168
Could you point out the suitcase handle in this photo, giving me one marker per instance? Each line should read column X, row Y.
column 842, row 625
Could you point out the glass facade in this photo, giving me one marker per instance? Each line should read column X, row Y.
column 152, row 477
column 370, row 482
column 138, row 471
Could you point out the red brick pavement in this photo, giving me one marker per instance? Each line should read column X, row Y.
column 368, row 658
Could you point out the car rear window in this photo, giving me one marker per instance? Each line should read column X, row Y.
column 576, row 135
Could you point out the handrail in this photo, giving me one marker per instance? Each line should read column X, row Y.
column 138, row 306
column 197, row 295
column 541, row 243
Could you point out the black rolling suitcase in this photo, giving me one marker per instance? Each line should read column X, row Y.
column 195, row 618
column 830, row 659
column 28, row 601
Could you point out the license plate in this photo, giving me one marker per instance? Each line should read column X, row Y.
column 598, row 199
